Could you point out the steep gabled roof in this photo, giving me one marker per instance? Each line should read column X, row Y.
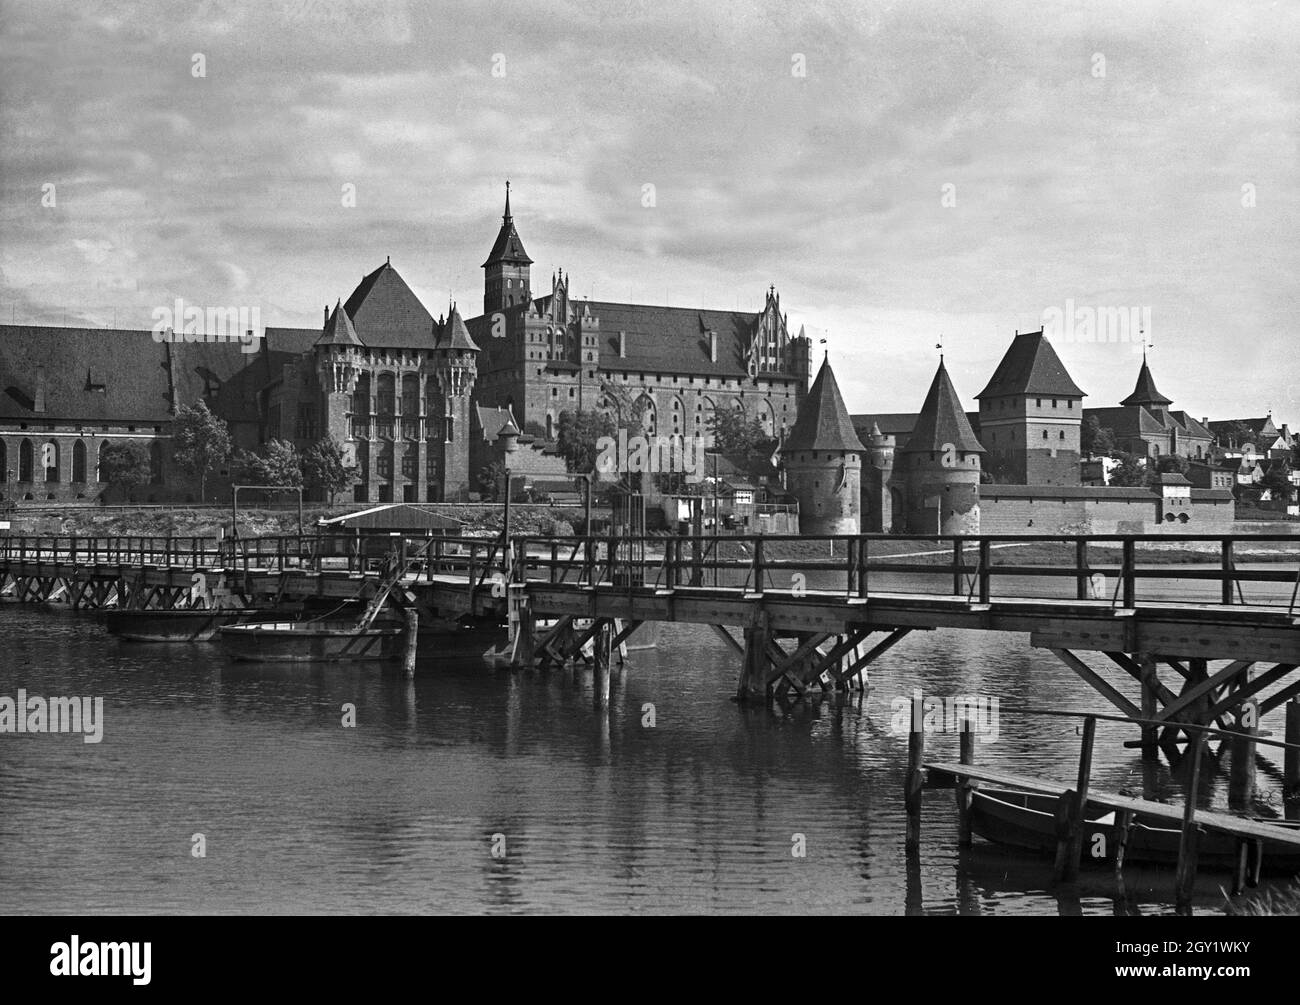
column 1145, row 392
column 823, row 422
column 339, row 330
column 386, row 314
column 896, row 424
column 942, row 421
column 1031, row 367
column 507, row 247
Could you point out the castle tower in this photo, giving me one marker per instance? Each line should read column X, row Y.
column 1031, row 416
column 939, row 466
column 505, row 273
column 455, row 361
column 823, row 461
column 877, row 471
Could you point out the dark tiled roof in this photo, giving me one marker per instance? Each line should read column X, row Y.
column 823, row 422
column 1257, row 426
column 896, row 424
column 942, row 420
column 507, row 247
column 339, row 330
column 454, row 335
column 290, row 341
column 129, row 365
column 1145, row 392
column 387, row 315
column 1131, row 421
column 1031, row 366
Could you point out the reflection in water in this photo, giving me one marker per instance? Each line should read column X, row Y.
column 597, row 810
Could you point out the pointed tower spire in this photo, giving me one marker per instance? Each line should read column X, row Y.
column 506, row 218
column 942, row 424
column 823, row 422
column 1145, row 392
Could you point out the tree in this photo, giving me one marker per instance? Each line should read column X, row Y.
column 1277, row 479
column 1131, row 472
column 490, row 480
column 125, row 465
column 278, row 464
column 735, row 433
column 325, row 468
column 1173, row 462
column 578, row 436
column 201, row 443
column 1096, row 440
column 1235, row 433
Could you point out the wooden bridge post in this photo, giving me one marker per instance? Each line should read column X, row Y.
column 412, row 639
column 1129, row 573
column 1241, row 777
column 964, row 790
column 1225, row 565
column 602, row 644
column 1081, row 567
column 914, row 781
column 1150, row 685
column 753, row 674
column 1185, row 879
column 1291, row 762
column 958, row 587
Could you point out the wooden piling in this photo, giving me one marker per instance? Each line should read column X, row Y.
column 914, row 782
column 1291, row 762
column 1185, row 879
column 1123, row 825
column 603, row 644
column 1241, row 778
column 1069, row 844
column 965, row 787
column 1150, row 686
column 412, row 639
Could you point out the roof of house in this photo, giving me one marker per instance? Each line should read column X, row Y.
column 386, row 314
column 1031, row 366
column 1258, row 426
column 1145, row 393
column 93, row 374
column 823, row 422
column 942, row 421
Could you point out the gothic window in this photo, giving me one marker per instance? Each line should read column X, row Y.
column 155, row 463
column 78, row 461
column 25, row 461
column 50, row 460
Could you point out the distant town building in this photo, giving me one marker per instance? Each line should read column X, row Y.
column 1144, row 425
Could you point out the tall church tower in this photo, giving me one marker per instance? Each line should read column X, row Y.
column 505, row 275
column 455, row 363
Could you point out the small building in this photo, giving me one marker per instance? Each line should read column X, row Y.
column 1144, row 425
column 1204, row 475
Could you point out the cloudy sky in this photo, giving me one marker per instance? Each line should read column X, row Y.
column 901, row 171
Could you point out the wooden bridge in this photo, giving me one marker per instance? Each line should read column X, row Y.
column 1218, row 613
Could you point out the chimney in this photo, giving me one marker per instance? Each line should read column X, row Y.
column 1205, row 421
column 622, row 345
column 713, row 346
column 39, row 405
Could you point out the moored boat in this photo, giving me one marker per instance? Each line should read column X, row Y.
column 310, row 641
column 171, row 626
column 1027, row 820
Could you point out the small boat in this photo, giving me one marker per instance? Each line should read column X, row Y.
column 310, row 641
column 1028, row 820
column 198, row 625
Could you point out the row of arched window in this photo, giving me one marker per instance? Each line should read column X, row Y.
column 43, row 462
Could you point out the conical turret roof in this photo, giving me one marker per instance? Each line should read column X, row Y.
column 338, row 329
column 1145, row 392
column 823, row 422
column 454, row 335
column 942, row 421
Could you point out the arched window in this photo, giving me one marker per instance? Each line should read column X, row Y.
column 79, row 461
column 155, row 463
column 50, row 460
column 99, row 460
column 4, row 462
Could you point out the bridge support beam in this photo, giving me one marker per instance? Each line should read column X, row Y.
column 753, row 675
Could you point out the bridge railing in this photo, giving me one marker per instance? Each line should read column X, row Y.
column 1119, row 569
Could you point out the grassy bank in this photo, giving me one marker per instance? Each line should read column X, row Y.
column 207, row 522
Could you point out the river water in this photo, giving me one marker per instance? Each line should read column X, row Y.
column 587, row 811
